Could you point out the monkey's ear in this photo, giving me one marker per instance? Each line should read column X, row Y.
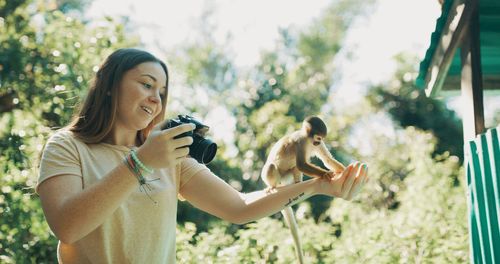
column 308, row 129
column 306, row 126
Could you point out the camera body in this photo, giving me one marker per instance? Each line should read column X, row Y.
column 203, row 149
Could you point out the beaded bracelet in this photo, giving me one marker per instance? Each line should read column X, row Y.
column 138, row 162
column 135, row 168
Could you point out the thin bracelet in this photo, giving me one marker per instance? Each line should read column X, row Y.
column 141, row 165
column 143, row 183
column 134, row 169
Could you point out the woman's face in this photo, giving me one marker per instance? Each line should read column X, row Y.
column 139, row 98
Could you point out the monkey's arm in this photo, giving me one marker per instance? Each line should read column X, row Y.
column 330, row 162
column 303, row 162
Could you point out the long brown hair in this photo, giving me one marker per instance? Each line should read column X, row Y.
column 97, row 115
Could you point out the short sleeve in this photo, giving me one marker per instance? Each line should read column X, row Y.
column 59, row 157
column 187, row 169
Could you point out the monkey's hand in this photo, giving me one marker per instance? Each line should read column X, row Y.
column 339, row 170
column 270, row 189
column 329, row 175
column 347, row 184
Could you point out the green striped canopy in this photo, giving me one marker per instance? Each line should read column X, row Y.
column 483, row 181
column 489, row 38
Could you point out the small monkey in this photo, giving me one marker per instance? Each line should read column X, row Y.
column 290, row 158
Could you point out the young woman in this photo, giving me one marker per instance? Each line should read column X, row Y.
column 109, row 181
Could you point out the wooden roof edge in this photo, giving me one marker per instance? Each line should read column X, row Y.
column 452, row 33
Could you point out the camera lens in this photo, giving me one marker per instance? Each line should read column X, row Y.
column 203, row 150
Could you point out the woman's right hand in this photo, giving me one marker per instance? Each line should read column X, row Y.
column 347, row 184
column 162, row 150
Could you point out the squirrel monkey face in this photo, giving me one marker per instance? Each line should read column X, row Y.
column 317, row 140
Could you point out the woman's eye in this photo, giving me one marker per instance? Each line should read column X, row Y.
column 147, row 85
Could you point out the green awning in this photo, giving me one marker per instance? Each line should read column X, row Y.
column 489, row 23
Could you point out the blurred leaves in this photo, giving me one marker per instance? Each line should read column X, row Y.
column 409, row 106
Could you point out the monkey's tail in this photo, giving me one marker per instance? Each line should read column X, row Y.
column 292, row 224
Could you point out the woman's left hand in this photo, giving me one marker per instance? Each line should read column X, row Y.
column 346, row 184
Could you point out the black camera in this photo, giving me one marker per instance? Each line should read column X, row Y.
column 203, row 149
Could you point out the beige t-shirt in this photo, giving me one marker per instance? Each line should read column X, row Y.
column 138, row 231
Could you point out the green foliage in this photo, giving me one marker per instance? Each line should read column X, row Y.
column 47, row 61
column 430, row 223
column 273, row 121
column 230, row 174
column 409, row 106
column 22, row 226
column 319, row 43
column 209, row 67
column 204, row 67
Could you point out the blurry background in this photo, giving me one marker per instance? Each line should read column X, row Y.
column 252, row 70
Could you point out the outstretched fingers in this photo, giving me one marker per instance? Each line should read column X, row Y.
column 340, row 178
column 350, row 180
column 361, row 179
column 366, row 178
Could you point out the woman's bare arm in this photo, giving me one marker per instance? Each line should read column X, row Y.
column 73, row 212
column 211, row 194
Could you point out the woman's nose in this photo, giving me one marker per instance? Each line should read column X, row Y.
column 155, row 98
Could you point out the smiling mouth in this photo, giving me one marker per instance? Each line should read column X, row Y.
column 147, row 110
